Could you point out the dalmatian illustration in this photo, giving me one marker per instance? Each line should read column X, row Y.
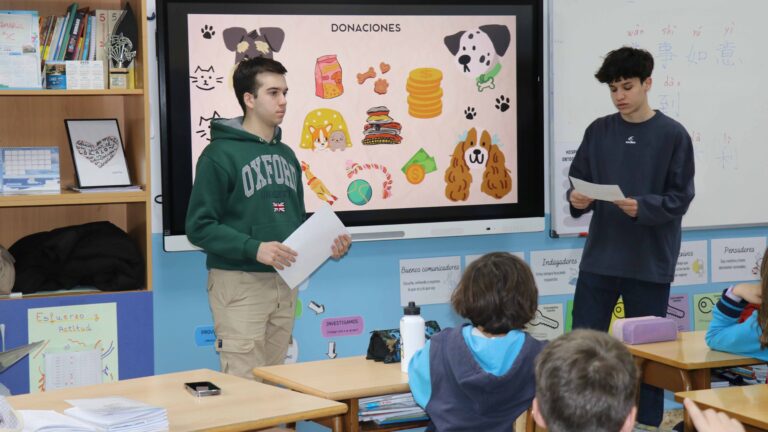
column 477, row 52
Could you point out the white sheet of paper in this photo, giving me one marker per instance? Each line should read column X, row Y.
column 312, row 241
column 597, row 191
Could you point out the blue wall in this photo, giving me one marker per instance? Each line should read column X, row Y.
column 134, row 332
column 366, row 282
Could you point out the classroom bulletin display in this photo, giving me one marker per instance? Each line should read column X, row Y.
column 405, row 114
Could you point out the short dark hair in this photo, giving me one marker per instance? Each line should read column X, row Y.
column 497, row 292
column 585, row 381
column 245, row 77
column 625, row 63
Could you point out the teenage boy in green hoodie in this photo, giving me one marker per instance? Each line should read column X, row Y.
column 247, row 198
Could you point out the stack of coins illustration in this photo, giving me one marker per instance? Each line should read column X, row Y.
column 424, row 93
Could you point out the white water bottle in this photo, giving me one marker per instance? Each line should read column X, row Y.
column 412, row 336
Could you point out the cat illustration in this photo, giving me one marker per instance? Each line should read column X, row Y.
column 204, row 79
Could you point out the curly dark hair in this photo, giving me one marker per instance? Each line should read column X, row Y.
column 497, row 293
column 625, row 63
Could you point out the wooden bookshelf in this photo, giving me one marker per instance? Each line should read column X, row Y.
column 35, row 118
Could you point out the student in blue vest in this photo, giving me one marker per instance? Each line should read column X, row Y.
column 247, row 198
column 750, row 337
column 633, row 244
column 480, row 376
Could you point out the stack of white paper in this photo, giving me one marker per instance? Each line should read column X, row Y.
column 52, row 421
column 119, row 414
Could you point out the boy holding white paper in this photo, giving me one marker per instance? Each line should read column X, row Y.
column 247, row 199
column 633, row 243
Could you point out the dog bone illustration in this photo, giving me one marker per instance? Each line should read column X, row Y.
column 384, row 67
column 370, row 73
column 380, row 86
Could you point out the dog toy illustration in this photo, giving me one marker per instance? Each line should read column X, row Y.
column 256, row 43
column 317, row 185
column 353, row 168
column 477, row 52
column 471, row 154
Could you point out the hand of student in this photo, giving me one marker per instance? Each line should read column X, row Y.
column 711, row 420
column 275, row 254
column 628, row 206
column 579, row 200
column 750, row 292
column 340, row 246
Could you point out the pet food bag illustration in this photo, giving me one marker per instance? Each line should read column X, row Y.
column 323, row 129
column 380, row 128
column 328, row 77
column 425, row 96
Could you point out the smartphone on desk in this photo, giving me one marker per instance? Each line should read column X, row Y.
column 202, row 388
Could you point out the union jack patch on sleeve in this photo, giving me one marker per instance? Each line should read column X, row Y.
column 278, row 207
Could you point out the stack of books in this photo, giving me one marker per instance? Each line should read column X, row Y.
column 390, row 409
column 739, row 376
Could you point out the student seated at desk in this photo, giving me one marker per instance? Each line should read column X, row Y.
column 748, row 338
column 586, row 380
column 480, row 376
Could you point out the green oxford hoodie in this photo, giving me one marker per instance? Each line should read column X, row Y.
column 246, row 191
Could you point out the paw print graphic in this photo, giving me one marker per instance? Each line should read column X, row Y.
column 207, row 31
column 470, row 113
column 502, row 103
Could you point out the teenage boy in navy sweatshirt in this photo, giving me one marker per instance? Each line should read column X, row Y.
column 633, row 244
column 247, row 198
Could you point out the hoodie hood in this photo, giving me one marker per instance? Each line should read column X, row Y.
column 466, row 397
column 233, row 130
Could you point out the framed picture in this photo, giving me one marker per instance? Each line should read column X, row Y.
column 97, row 153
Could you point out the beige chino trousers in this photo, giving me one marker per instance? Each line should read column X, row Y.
column 253, row 316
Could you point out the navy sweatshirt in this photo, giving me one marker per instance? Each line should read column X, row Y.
column 652, row 162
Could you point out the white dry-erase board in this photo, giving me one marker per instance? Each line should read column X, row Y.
column 710, row 65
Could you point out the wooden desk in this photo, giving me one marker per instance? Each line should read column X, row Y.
column 684, row 364
column 746, row 404
column 345, row 380
column 243, row 404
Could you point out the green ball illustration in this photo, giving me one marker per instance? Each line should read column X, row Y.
column 359, row 192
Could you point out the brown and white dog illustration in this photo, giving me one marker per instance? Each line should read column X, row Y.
column 317, row 185
column 471, row 154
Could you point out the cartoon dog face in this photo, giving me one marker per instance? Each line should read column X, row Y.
column 477, row 51
column 471, row 154
column 320, row 136
column 258, row 43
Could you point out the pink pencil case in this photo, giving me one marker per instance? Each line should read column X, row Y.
column 645, row 329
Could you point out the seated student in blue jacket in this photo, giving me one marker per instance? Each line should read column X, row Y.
column 750, row 337
column 480, row 376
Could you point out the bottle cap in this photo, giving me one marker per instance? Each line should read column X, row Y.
column 412, row 309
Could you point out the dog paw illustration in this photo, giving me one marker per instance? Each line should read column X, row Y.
column 207, row 31
column 502, row 103
column 470, row 113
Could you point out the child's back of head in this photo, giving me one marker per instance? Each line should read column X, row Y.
column 585, row 381
column 497, row 293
